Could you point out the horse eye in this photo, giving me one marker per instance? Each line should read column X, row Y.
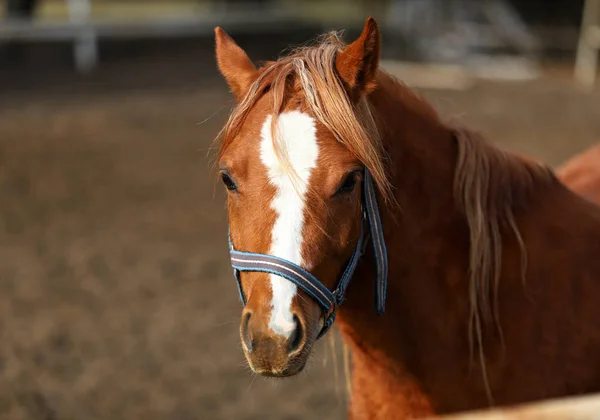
column 229, row 184
column 348, row 184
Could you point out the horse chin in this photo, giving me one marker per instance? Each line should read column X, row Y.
column 284, row 373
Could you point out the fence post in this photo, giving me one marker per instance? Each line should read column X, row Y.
column 586, row 62
column 85, row 49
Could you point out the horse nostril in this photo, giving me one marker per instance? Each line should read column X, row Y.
column 245, row 333
column 297, row 337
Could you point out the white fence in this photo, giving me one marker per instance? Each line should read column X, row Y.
column 443, row 31
column 84, row 30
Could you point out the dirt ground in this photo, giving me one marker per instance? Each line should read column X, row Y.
column 116, row 297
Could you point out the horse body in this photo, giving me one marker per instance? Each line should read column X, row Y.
column 581, row 173
column 494, row 272
column 549, row 333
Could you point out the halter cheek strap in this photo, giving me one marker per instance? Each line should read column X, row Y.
column 378, row 239
column 326, row 299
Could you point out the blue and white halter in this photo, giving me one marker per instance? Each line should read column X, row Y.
column 327, row 300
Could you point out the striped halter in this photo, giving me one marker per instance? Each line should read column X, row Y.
column 327, row 300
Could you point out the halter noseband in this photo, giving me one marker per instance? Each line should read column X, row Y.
column 327, row 300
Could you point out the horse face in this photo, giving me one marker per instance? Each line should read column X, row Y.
column 305, row 209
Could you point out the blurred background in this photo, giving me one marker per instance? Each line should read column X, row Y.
column 117, row 300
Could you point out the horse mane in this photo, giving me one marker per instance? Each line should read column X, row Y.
column 310, row 71
column 490, row 184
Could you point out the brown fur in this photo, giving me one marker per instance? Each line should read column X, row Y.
column 581, row 173
column 488, row 251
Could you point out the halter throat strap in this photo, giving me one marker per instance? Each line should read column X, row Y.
column 328, row 300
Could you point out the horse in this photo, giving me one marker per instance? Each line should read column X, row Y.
column 460, row 276
column 581, row 173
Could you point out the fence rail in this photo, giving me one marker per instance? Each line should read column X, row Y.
column 574, row 408
column 84, row 28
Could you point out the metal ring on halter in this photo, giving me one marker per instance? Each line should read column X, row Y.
column 327, row 300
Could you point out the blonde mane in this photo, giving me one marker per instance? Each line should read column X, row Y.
column 489, row 185
column 312, row 69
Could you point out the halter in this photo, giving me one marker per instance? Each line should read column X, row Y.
column 327, row 300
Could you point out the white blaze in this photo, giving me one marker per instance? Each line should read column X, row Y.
column 297, row 132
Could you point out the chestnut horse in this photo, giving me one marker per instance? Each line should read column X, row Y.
column 494, row 268
column 581, row 173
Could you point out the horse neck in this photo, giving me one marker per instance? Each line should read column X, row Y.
column 422, row 154
column 421, row 149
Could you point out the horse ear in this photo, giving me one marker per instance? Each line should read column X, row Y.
column 234, row 64
column 357, row 64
